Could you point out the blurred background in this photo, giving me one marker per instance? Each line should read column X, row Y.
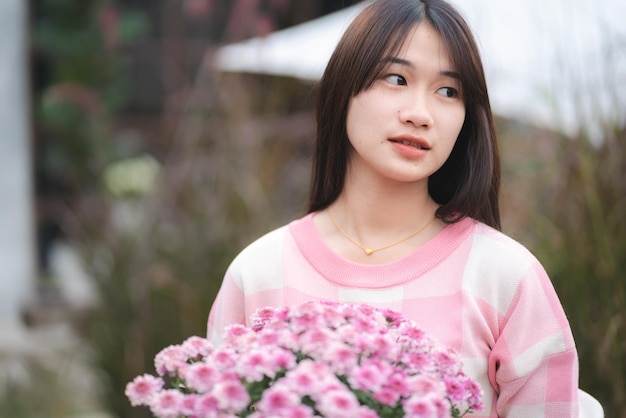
column 145, row 142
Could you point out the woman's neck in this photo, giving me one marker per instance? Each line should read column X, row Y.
column 383, row 212
column 378, row 202
column 377, row 214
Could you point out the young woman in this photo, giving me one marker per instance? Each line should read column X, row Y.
column 404, row 213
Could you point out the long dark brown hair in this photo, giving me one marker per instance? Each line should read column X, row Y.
column 468, row 182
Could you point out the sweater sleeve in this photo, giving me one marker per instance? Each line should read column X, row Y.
column 534, row 364
column 228, row 308
column 253, row 280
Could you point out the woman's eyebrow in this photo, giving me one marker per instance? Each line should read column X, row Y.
column 400, row 61
column 407, row 63
column 451, row 74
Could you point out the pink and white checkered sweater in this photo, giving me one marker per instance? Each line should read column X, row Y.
column 471, row 286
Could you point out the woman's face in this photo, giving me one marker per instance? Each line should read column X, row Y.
column 404, row 126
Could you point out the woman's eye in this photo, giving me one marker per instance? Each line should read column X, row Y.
column 448, row 92
column 396, row 80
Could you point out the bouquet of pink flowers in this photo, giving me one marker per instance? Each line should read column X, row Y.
column 318, row 359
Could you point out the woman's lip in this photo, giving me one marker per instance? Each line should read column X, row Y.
column 409, row 149
column 417, row 142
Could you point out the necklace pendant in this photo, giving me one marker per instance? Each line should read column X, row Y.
column 368, row 251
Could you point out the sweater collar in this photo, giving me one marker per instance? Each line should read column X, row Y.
column 350, row 274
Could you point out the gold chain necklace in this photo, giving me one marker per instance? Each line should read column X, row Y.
column 370, row 251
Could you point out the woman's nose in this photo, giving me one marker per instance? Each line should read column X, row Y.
column 416, row 111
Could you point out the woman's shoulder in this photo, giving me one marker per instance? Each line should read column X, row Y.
column 266, row 249
column 492, row 239
column 501, row 254
column 484, row 240
column 259, row 263
column 263, row 246
column 499, row 270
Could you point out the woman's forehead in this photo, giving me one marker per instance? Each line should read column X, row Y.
column 421, row 42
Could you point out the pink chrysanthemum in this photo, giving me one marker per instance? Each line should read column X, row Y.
column 341, row 355
column 169, row 360
column 455, row 389
column 167, row 403
column 421, row 407
column 423, row 385
column 201, row 376
column 339, row 404
column 398, row 383
column 195, row 346
column 224, row 358
column 231, row 396
column 206, row 405
column 302, row 381
column 261, row 317
column 282, row 360
column 278, row 400
column 447, row 362
column 365, row 412
column 188, row 405
column 387, row 396
column 254, row 365
column 301, row 411
column 141, row 390
column 367, row 377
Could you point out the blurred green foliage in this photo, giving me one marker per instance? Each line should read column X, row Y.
column 565, row 198
column 81, row 82
column 33, row 386
column 581, row 230
column 158, row 257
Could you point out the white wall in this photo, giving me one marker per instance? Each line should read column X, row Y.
column 17, row 244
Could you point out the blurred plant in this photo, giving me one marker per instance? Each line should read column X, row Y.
column 133, row 176
column 581, row 235
column 159, row 236
column 81, row 84
column 44, row 378
column 156, row 230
